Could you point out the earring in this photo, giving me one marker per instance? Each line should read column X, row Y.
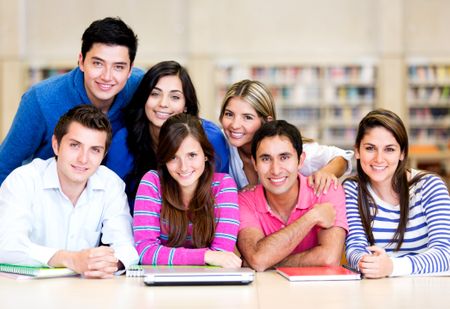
column 206, row 158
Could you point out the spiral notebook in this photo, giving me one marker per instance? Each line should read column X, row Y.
column 36, row 272
column 135, row 271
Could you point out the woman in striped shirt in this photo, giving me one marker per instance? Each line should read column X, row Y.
column 399, row 219
column 185, row 214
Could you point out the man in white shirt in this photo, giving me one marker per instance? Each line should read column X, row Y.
column 52, row 212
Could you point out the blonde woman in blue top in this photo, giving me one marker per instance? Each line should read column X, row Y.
column 399, row 218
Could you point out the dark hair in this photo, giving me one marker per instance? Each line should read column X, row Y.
column 140, row 141
column 278, row 128
column 88, row 116
column 390, row 121
column 109, row 31
column 201, row 207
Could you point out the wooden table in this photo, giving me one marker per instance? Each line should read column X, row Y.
column 269, row 290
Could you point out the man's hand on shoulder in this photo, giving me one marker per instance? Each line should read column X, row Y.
column 97, row 262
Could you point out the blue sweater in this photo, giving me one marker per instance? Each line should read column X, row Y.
column 30, row 135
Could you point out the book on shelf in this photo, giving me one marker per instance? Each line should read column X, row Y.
column 318, row 273
column 36, row 272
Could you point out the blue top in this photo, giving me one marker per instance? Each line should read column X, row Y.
column 426, row 244
column 30, row 135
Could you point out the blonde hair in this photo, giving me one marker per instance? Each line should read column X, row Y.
column 258, row 96
column 253, row 92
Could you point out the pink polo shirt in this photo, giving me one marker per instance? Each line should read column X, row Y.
column 256, row 213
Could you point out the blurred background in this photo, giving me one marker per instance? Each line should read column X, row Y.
column 327, row 62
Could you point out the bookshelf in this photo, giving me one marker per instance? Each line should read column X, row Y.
column 428, row 105
column 36, row 74
column 326, row 102
column 428, row 101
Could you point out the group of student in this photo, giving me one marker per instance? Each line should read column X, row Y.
column 175, row 189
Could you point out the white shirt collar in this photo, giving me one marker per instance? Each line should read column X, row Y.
column 51, row 179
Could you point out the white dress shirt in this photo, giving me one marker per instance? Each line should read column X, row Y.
column 317, row 156
column 37, row 219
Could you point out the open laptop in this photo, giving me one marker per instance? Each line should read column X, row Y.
column 198, row 276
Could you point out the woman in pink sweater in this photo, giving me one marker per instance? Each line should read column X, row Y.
column 185, row 214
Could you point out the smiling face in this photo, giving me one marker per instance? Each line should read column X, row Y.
column 187, row 165
column 165, row 99
column 379, row 154
column 277, row 165
column 106, row 71
column 240, row 122
column 80, row 153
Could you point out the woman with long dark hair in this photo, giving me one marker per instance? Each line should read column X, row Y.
column 398, row 218
column 185, row 214
column 165, row 90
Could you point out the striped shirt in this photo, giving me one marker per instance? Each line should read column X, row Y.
column 426, row 244
column 151, row 236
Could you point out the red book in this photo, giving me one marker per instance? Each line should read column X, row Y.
column 319, row 273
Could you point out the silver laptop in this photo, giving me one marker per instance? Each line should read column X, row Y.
column 198, row 276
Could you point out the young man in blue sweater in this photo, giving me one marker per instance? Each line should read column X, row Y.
column 105, row 78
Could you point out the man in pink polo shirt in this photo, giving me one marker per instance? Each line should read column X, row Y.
column 283, row 223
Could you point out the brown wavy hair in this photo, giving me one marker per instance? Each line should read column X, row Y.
column 200, row 210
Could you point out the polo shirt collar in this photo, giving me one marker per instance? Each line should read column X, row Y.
column 303, row 199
